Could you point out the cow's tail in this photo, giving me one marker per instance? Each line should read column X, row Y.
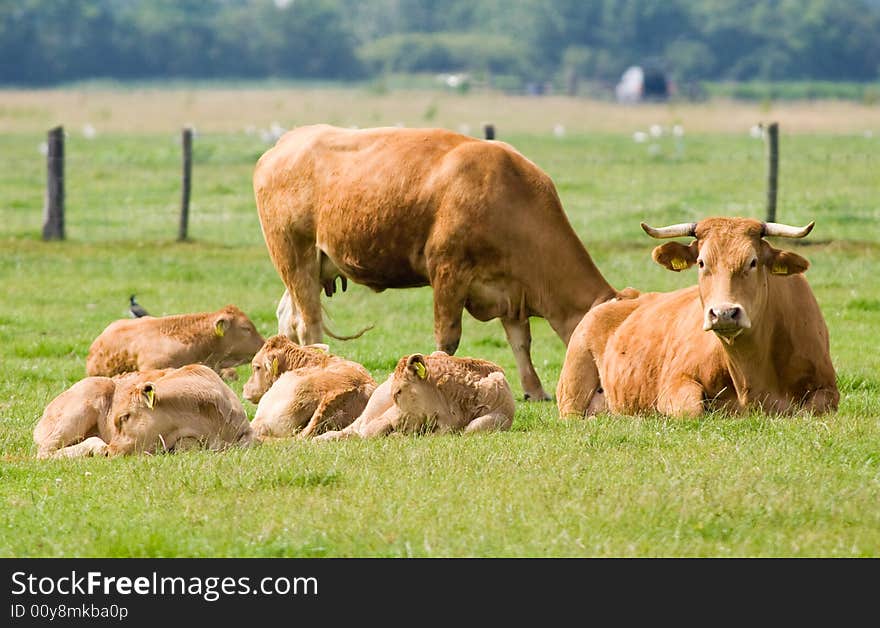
column 330, row 333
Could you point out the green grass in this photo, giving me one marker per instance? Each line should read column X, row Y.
column 614, row 486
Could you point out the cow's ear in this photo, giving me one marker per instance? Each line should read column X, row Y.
column 120, row 419
column 675, row 255
column 272, row 365
column 148, row 394
column 221, row 324
column 785, row 262
column 416, row 364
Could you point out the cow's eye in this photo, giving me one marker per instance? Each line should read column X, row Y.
column 754, row 263
column 701, row 263
column 257, row 367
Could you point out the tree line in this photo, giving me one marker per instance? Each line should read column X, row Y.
column 44, row 42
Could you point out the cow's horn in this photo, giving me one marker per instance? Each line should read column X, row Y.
column 680, row 230
column 786, row 231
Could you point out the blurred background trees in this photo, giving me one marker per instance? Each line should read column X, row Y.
column 44, row 42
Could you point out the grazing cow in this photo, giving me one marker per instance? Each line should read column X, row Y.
column 167, row 409
column 304, row 391
column 220, row 339
column 399, row 208
column 436, row 393
column 769, row 343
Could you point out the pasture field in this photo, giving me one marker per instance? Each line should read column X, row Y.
column 753, row 485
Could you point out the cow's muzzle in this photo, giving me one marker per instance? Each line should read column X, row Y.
column 728, row 320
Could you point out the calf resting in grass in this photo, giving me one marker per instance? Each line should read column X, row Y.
column 221, row 340
column 436, row 393
column 303, row 391
column 143, row 412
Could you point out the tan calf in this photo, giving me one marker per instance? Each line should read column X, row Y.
column 436, row 393
column 304, row 391
column 220, row 340
column 168, row 409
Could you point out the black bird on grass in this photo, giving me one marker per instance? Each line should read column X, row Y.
column 135, row 309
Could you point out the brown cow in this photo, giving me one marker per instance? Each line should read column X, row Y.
column 220, row 339
column 304, row 391
column 398, row 208
column 167, row 409
column 768, row 348
column 278, row 355
column 436, row 393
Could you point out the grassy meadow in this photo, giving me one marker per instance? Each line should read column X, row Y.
column 753, row 485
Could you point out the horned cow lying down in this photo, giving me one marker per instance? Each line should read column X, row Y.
column 149, row 411
column 304, row 391
column 220, row 339
column 436, row 393
column 768, row 347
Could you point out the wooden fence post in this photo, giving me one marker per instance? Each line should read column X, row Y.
column 53, row 211
column 772, row 169
column 187, row 184
column 489, row 131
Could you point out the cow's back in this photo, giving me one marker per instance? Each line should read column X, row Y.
column 115, row 350
column 380, row 201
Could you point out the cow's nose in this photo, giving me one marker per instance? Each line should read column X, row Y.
column 725, row 315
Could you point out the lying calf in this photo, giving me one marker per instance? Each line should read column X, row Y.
column 220, row 339
column 169, row 409
column 436, row 393
column 304, row 391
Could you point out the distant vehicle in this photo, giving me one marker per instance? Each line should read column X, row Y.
column 638, row 84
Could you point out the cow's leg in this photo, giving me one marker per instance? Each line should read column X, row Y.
column 450, row 294
column 301, row 276
column 187, row 443
column 489, row 423
column 55, row 433
column 379, row 403
column 823, row 400
column 519, row 335
column 382, row 425
column 578, row 383
column 92, row 446
column 318, row 418
column 282, row 419
column 682, row 399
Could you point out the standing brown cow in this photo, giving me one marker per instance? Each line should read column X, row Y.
column 768, row 347
column 399, row 208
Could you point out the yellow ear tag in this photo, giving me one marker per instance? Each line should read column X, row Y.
column 218, row 329
column 678, row 263
column 421, row 371
column 274, row 366
column 779, row 269
column 151, row 398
